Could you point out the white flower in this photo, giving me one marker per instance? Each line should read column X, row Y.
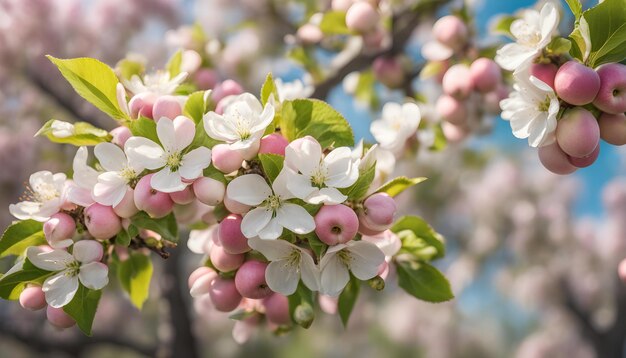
column 436, row 51
column 387, row 241
column 532, row 32
column 81, row 265
column 62, row 129
column 288, row 264
column 158, row 83
column 273, row 212
column 314, row 178
column 243, row 123
column 201, row 241
column 362, row 258
column 293, row 90
column 119, row 174
column 44, row 197
column 175, row 136
column 398, row 123
column 85, row 178
column 532, row 109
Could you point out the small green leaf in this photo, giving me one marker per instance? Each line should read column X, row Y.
column 301, row 306
column 359, row 189
column 607, row 33
column 502, row 25
column 94, row 81
column 423, row 281
column 144, row 127
column 441, row 142
column 334, row 23
column 398, row 185
column 194, row 107
column 21, row 235
column 272, row 165
column 576, row 6
column 174, row 64
column 559, row 46
column 420, row 228
column 83, row 133
column 125, row 236
column 165, row 226
column 135, row 275
column 128, row 68
column 347, row 299
column 12, row 284
column 213, row 173
column 268, row 89
column 201, row 138
column 83, row 307
column 302, row 117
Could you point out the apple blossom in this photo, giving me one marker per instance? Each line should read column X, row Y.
column 80, row 191
column 272, row 211
column 82, row 265
column 62, row 129
column 288, row 264
column 44, row 197
column 317, row 179
column 158, row 83
column 273, row 144
column 120, row 136
column 532, row 109
column 225, row 159
column 288, row 91
column 120, row 173
column 59, row 230
column 166, row 106
column 362, row 258
column 398, row 123
column 170, row 156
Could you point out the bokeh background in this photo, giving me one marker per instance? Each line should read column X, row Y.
column 532, row 257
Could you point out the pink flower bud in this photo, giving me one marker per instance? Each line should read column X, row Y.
column 378, row 213
column 621, row 270
column 33, row 298
column 197, row 273
column 224, row 294
column 485, row 75
column 250, row 280
column 224, row 261
column 230, row 236
column 451, row 31
column 153, row 202
column 578, row 133
column 309, row 34
column 225, row 159
column 453, row 132
column 336, row 224
column 205, row 79
column 576, row 83
column 58, row 318
column 555, row 160
column 587, row 160
column 389, row 71
column 273, row 144
column 277, row 309
column 492, row 99
column 613, row 128
column 452, row 110
column 141, row 105
column 362, row 17
column 225, row 89
column 209, row 191
column 545, row 72
column 102, row 222
column 234, row 206
column 126, row 208
column 341, row 5
column 59, row 230
column 120, row 136
column 202, row 280
column 166, row 106
column 611, row 96
column 183, row 197
column 457, row 81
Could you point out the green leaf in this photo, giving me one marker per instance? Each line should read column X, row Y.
column 359, row 189
column 165, row 226
column 423, row 281
column 268, row 89
column 128, row 68
column 174, row 63
column 21, row 235
column 302, row 117
column 559, row 46
column 272, row 165
column 441, row 142
column 301, row 306
column 576, row 6
column 347, row 299
column 144, row 127
column 420, row 228
column 502, row 25
column 366, row 89
column 316, row 244
column 398, row 185
column 94, row 81
column 135, row 275
column 83, row 307
column 213, row 173
column 334, row 23
column 83, row 134
column 607, row 30
column 12, row 284
column 125, row 236
column 201, row 138
column 194, row 107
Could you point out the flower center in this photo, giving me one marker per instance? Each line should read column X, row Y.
column 128, row 174
column 528, row 35
column 345, row 257
column 544, row 106
column 273, row 202
column 293, row 260
column 174, row 160
column 319, row 175
column 72, row 268
column 40, row 193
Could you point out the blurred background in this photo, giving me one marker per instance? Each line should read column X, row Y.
column 532, row 257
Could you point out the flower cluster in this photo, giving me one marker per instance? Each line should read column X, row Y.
column 284, row 205
column 566, row 97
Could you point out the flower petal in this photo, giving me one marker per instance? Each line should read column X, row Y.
column 330, row 196
column 282, row 277
column 110, row 189
column 295, row 218
column 194, row 162
column 366, row 257
column 110, row 156
column 273, row 250
column 254, row 221
column 271, row 231
column 86, row 251
column 142, row 151
column 184, row 132
column 250, row 189
column 167, row 181
column 304, row 155
column 55, row 260
column 309, row 272
column 94, row 275
column 166, row 134
column 334, row 277
column 60, row 289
